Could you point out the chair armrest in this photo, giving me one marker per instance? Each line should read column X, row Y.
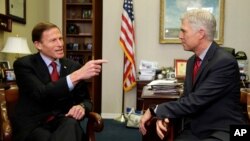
column 152, row 135
column 6, row 129
column 95, row 124
column 245, row 102
column 248, row 105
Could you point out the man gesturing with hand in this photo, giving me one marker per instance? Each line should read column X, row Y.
column 53, row 93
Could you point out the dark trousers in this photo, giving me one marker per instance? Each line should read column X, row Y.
column 60, row 129
column 187, row 135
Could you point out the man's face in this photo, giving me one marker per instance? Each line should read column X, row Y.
column 188, row 36
column 51, row 44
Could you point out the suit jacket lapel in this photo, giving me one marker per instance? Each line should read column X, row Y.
column 189, row 77
column 64, row 68
column 43, row 71
column 207, row 58
column 41, row 68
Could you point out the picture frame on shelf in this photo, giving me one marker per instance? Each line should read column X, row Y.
column 180, row 68
column 1, row 75
column 172, row 10
column 4, row 65
column 89, row 46
column 9, row 75
column 75, row 46
column 5, row 23
column 16, row 9
column 86, row 14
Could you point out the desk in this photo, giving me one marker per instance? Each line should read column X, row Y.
column 149, row 98
column 139, row 87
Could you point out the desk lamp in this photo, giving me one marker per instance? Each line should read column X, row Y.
column 16, row 45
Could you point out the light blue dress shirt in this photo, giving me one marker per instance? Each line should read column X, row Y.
column 48, row 62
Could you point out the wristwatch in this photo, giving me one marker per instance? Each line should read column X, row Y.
column 152, row 110
column 81, row 104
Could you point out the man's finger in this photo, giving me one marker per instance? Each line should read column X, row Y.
column 101, row 61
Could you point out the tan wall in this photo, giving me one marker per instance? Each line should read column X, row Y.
column 2, row 11
column 36, row 10
column 55, row 15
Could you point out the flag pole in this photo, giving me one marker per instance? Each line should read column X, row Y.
column 127, row 44
column 122, row 118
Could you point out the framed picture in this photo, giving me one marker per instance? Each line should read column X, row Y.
column 16, row 9
column 172, row 10
column 9, row 75
column 4, row 65
column 1, row 75
column 5, row 23
column 180, row 68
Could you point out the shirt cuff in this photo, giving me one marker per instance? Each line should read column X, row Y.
column 155, row 108
column 69, row 82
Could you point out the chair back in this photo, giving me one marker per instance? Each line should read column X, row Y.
column 245, row 102
column 11, row 97
column 94, row 124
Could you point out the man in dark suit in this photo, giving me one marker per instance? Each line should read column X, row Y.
column 51, row 108
column 211, row 100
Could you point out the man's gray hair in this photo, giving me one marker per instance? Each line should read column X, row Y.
column 201, row 18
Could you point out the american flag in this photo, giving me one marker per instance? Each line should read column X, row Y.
column 127, row 41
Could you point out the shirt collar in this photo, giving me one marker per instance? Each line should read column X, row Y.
column 203, row 54
column 48, row 61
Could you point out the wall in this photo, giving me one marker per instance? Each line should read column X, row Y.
column 24, row 30
column 147, row 47
column 2, row 11
column 55, row 15
column 147, row 44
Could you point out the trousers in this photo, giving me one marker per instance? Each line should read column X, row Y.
column 59, row 129
column 187, row 135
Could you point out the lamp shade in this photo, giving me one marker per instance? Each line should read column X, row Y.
column 16, row 45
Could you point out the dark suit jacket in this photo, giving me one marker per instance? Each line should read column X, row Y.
column 39, row 97
column 213, row 101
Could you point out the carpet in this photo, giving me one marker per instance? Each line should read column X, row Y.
column 117, row 131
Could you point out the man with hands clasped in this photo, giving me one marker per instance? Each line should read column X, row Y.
column 53, row 94
column 211, row 97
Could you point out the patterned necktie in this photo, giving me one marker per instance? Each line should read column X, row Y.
column 197, row 65
column 54, row 75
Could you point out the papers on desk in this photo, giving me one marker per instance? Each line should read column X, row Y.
column 148, row 65
column 165, row 86
column 162, row 82
column 147, row 70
